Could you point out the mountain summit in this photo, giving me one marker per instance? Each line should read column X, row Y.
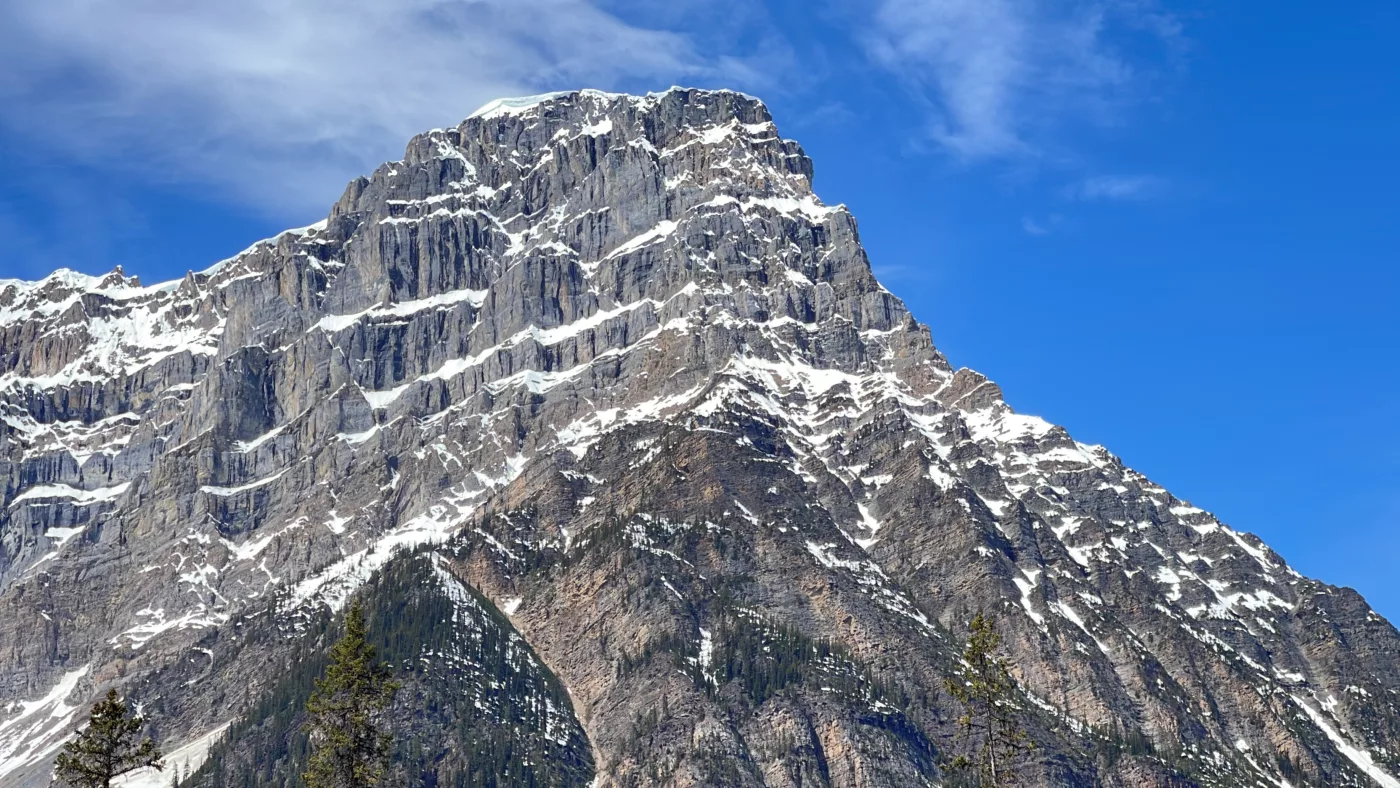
column 646, row 480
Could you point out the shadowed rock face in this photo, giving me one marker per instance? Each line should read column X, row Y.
column 615, row 365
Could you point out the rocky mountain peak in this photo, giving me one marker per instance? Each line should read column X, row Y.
column 632, row 392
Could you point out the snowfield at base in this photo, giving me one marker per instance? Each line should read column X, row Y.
column 185, row 760
column 40, row 727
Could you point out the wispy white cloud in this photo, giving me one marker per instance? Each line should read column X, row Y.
column 279, row 102
column 1114, row 188
column 1044, row 226
column 1000, row 76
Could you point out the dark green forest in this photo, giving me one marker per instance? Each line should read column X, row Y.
column 476, row 710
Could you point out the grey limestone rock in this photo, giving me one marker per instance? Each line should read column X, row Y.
column 612, row 360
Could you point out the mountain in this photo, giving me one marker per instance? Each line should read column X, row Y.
column 648, row 482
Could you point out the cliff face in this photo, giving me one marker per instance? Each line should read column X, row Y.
column 608, row 361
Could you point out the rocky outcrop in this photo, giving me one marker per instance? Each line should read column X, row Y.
column 611, row 360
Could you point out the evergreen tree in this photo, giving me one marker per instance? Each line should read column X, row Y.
column 107, row 748
column 986, row 690
column 348, row 748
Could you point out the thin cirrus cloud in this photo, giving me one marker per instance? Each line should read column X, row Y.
column 998, row 77
column 1114, row 188
column 1032, row 227
column 276, row 103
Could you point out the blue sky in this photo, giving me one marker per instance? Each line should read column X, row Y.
column 1169, row 226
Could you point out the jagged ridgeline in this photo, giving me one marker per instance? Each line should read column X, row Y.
column 476, row 706
column 635, row 387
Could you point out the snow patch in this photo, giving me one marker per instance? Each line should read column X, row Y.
column 1027, row 585
column 224, row 492
column 1361, row 758
column 505, row 107
column 41, row 726
column 77, row 495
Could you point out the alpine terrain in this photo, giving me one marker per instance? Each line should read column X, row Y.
column 644, row 480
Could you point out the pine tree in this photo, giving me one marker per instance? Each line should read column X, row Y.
column 107, row 748
column 986, row 690
column 348, row 748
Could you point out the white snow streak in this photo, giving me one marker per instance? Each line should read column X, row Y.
column 1356, row 755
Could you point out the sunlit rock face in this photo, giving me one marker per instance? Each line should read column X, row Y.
column 610, row 363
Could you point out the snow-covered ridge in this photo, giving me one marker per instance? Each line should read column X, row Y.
column 117, row 286
column 113, row 284
column 309, row 231
column 60, row 291
column 121, row 325
column 520, row 105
